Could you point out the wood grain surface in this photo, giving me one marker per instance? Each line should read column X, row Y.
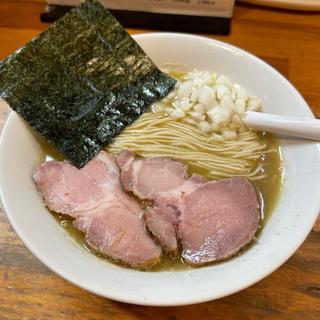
column 290, row 41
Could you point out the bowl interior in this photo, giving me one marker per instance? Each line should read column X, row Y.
column 288, row 226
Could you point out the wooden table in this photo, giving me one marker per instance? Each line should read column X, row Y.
column 290, row 41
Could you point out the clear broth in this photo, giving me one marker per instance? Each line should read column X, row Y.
column 268, row 190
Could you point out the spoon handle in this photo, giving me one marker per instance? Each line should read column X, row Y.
column 287, row 125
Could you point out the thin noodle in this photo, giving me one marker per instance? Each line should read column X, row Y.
column 157, row 135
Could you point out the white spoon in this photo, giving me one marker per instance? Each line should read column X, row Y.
column 287, row 125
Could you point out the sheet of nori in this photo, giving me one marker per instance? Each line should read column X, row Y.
column 81, row 82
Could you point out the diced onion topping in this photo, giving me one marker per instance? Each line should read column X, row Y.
column 214, row 104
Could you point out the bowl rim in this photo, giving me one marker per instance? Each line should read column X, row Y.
column 204, row 297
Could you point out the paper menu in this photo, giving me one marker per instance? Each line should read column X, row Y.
column 208, row 8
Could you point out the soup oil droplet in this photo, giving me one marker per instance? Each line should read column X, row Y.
column 64, row 223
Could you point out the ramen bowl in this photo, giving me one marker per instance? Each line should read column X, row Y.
column 286, row 229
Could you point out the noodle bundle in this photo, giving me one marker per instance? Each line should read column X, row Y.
column 155, row 134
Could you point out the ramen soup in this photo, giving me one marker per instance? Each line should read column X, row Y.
column 199, row 125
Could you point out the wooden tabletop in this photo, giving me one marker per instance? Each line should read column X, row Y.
column 290, row 41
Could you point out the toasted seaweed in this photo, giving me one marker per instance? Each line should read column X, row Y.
column 81, row 82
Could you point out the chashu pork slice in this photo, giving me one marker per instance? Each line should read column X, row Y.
column 163, row 218
column 148, row 178
column 110, row 218
column 212, row 220
column 153, row 179
column 218, row 220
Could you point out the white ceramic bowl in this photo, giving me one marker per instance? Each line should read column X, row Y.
column 287, row 228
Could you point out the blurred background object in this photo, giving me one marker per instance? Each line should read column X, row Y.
column 305, row 5
column 205, row 16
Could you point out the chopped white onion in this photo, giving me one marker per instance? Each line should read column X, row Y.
column 217, row 137
column 157, row 107
column 225, row 81
column 205, row 126
column 171, row 95
column 197, row 115
column 190, row 120
column 222, row 91
column 229, row 134
column 199, row 108
column 215, row 127
column 236, row 119
column 254, row 104
column 185, row 104
column 194, row 94
column 177, row 114
column 226, row 102
column 168, row 110
column 219, row 115
column 214, row 105
column 184, row 89
column 239, row 106
column 241, row 92
column 206, row 96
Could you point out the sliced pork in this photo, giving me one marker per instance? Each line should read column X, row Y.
column 163, row 218
column 219, row 218
column 93, row 196
column 153, row 179
column 162, row 224
column 213, row 220
column 147, row 178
